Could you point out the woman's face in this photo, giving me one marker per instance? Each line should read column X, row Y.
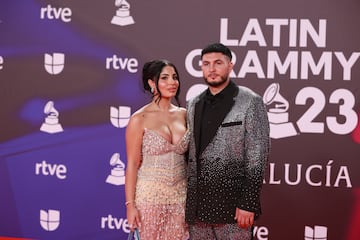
column 168, row 83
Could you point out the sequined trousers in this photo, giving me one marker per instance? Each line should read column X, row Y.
column 202, row 231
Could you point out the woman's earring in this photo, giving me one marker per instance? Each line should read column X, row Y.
column 152, row 90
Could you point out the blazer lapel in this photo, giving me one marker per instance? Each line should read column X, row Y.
column 197, row 123
column 227, row 105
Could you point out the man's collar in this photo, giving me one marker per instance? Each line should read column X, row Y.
column 227, row 91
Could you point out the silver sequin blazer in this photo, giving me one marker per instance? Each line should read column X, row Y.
column 232, row 165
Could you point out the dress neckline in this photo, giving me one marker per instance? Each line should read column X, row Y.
column 162, row 137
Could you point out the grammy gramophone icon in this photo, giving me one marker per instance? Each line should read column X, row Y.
column 122, row 17
column 117, row 176
column 280, row 126
column 51, row 123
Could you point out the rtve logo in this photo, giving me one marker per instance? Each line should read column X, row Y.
column 46, row 169
column 55, row 13
column 49, row 219
column 111, row 222
column 118, row 63
column 261, row 233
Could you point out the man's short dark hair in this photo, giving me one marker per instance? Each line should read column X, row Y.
column 217, row 47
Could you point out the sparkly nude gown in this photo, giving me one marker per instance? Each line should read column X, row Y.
column 161, row 188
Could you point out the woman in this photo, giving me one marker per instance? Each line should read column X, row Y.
column 156, row 141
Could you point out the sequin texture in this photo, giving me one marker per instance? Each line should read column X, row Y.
column 161, row 187
column 228, row 174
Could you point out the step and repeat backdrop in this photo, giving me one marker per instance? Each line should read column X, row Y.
column 70, row 78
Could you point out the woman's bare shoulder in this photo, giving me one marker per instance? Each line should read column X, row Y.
column 142, row 115
column 182, row 111
column 137, row 118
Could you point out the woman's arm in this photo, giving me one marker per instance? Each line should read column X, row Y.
column 133, row 138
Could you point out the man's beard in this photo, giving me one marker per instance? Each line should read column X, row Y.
column 216, row 84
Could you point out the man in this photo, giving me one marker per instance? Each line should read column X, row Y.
column 228, row 153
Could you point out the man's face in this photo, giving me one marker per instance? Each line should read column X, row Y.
column 216, row 68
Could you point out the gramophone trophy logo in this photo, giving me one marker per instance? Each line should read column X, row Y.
column 51, row 123
column 117, row 175
column 122, row 17
column 280, row 127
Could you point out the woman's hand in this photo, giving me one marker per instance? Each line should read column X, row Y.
column 133, row 216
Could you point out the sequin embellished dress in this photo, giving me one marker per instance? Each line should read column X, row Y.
column 161, row 188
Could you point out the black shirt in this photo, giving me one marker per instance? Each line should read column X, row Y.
column 214, row 111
